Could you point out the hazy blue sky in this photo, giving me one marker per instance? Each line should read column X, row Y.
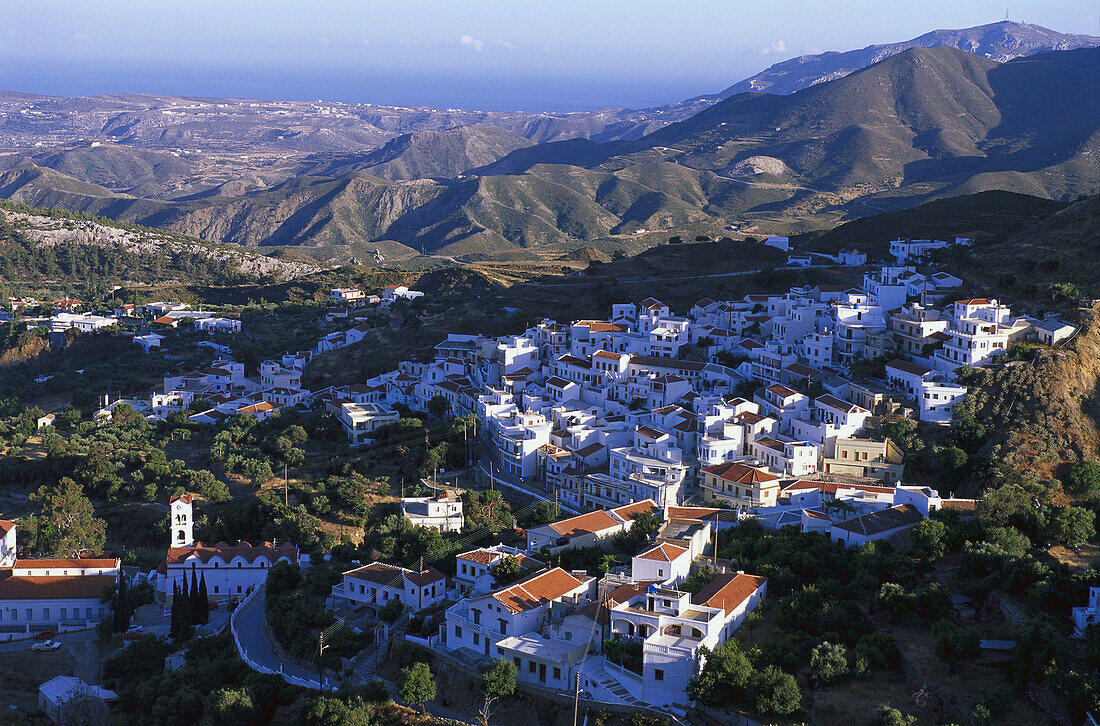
column 499, row 54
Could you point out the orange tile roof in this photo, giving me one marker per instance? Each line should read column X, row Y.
column 663, row 553
column 584, row 524
column 35, row 587
column 728, row 591
column 536, row 590
column 627, row 511
column 739, row 473
column 46, row 563
column 178, row 555
column 6, row 526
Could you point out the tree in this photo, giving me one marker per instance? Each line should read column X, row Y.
column 1072, row 526
column 67, row 524
column 417, row 685
column 828, row 663
column 195, row 601
column 228, row 707
column 954, row 644
column 951, row 462
column 929, row 537
column 888, row 716
column 776, row 692
column 1038, row 649
column 438, row 406
column 324, row 711
column 391, row 611
column 725, row 677
column 508, row 570
column 204, row 600
column 1083, row 477
column 498, row 680
column 121, row 606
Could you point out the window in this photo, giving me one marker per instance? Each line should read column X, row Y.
column 530, row 666
column 518, row 662
column 477, row 639
column 557, row 674
column 503, row 627
column 30, row 614
column 238, row 589
column 64, row 613
column 45, row 613
column 215, row 589
column 658, row 674
column 458, row 632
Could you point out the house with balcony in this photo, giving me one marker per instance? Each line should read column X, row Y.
column 480, row 622
column 673, row 626
column 981, row 329
column 375, row 585
column 360, row 420
column 780, row 454
column 441, row 513
column 654, row 462
column 517, row 437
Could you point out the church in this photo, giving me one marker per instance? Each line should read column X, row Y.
column 56, row 594
column 231, row 571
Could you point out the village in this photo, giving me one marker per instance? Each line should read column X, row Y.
column 775, row 417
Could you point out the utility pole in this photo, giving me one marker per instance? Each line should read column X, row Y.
column 286, row 488
column 577, row 698
column 715, row 553
column 420, row 586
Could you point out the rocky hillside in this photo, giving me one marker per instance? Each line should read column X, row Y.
column 1044, row 411
column 40, row 245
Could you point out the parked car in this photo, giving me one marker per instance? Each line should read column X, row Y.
column 44, row 635
column 45, row 645
column 134, row 634
column 134, row 628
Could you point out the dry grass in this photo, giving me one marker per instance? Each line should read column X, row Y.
column 1086, row 556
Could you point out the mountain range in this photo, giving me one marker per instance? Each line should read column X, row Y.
column 920, row 123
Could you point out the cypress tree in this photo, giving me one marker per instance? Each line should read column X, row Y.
column 186, row 626
column 204, row 599
column 196, row 599
column 122, row 606
column 174, row 628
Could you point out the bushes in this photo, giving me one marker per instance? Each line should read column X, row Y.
column 828, row 663
column 729, row 679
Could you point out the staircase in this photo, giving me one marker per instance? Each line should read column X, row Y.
column 365, row 665
column 613, row 687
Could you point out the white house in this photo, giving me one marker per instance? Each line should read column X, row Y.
column 50, row 593
column 377, row 584
column 882, row 524
column 1053, row 331
column 360, row 420
column 474, row 569
column 229, row 326
column 780, row 243
column 148, row 342
column 399, row 292
column 480, row 622
column 668, row 564
column 1087, row 615
column 439, row 513
column 673, row 626
column 68, row 699
column 346, row 294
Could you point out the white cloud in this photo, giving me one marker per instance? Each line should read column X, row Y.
column 779, row 46
column 468, row 41
column 506, row 44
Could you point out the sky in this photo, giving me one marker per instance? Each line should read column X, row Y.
column 552, row 55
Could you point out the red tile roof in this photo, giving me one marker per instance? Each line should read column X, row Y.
column 178, row 555
column 728, row 591
column 36, row 587
column 663, row 553
column 627, row 511
column 45, row 563
column 739, row 473
column 536, row 590
column 584, row 524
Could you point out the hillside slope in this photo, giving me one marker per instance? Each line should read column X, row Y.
column 426, row 154
column 1001, row 41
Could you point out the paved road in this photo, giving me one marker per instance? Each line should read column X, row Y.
column 259, row 645
column 504, row 479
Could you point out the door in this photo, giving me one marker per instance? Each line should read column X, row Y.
column 486, row 645
column 542, row 672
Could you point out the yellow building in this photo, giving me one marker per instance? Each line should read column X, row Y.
column 867, row 458
column 740, row 485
